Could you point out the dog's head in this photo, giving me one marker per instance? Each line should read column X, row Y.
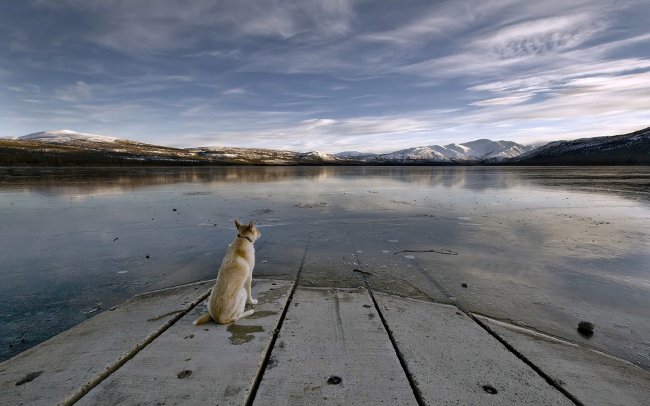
column 248, row 230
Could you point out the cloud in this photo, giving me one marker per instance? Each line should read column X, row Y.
column 557, row 78
column 370, row 133
column 423, row 27
column 636, row 83
column 522, row 45
column 75, row 92
column 318, row 122
column 286, row 19
column 501, row 101
column 235, row 91
column 547, row 72
column 159, row 25
column 541, row 36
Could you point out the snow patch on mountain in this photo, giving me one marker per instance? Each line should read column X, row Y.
column 65, row 136
column 353, row 154
column 320, row 155
column 479, row 150
column 264, row 156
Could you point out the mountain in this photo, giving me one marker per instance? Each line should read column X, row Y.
column 353, row 154
column 470, row 152
column 66, row 136
column 496, row 150
column 626, row 149
column 260, row 156
column 65, row 147
column 479, row 151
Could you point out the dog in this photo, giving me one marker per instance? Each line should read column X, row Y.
column 232, row 290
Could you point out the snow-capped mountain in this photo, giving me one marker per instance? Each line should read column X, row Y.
column 66, row 136
column 65, row 147
column 487, row 149
column 354, row 154
column 470, row 152
column 474, row 151
column 632, row 148
column 263, row 156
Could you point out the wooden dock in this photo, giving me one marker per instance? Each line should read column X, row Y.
column 309, row 346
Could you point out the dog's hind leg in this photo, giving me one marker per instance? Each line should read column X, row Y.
column 245, row 314
column 241, row 304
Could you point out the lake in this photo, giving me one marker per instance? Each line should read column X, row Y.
column 542, row 247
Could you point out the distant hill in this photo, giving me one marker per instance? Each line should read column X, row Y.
column 479, row 151
column 67, row 136
column 260, row 156
column 65, row 147
column 626, row 149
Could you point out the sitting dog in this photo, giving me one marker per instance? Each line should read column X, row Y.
column 232, row 290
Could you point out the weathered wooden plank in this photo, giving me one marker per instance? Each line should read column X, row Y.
column 206, row 364
column 333, row 349
column 454, row 361
column 592, row 377
column 54, row 370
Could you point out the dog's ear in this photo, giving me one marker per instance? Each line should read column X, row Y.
column 251, row 225
column 237, row 224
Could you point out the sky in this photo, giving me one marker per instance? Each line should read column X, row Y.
column 329, row 75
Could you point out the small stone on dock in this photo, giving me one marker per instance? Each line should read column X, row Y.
column 586, row 328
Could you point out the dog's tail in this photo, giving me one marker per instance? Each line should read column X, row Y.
column 203, row 319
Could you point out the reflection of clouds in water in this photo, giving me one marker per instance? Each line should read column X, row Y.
column 631, row 281
column 634, row 180
column 484, row 202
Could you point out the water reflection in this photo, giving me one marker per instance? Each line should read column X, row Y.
column 631, row 182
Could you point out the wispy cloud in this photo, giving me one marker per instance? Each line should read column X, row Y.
column 501, row 101
column 235, row 91
column 541, row 36
column 557, row 79
column 160, row 25
column 324, row 134
column 523, row 45
column 427, row 27
column 75, row 92
column 321, row 19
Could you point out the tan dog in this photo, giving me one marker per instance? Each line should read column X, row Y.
column 232, row 290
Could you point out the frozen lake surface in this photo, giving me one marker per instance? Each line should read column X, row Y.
column 541, row 247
